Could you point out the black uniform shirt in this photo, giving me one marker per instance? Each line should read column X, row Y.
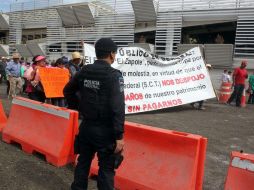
column 101, row 90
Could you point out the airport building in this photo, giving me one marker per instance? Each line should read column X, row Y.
column 223, row 29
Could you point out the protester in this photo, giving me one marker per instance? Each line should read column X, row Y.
column 24, row 67
column 7, row 79
column 3, row 65
column 102, row 105
column 59, row 101
column 251, row 89
column 225, row 77
column 37, row 91
column 65, row 60
column 73, row 65
column 13, row 71
column 239, row 76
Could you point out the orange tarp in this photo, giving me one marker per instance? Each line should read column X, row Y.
column 53, row 81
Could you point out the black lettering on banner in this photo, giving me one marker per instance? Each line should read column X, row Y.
column 188, row 60
column 150, row 84
column 146, row 54
column 134, row 53
column 196, row 58
column 121, row 52
column 138, row 74
column 155, row 73
column 147, row 96
column 120, row 61
column 141, row 53
column 163, row 94
column 89, row 60
column 199, row 67
column 157, row 83
column 132, row 85
column 188, row 70
column 128, row 52
column 162, row 73
column 192, row 89
column 179, row 71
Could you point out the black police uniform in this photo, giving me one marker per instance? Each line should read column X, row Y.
column 102, row 106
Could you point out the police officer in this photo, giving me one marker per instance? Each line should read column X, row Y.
column 102, row 106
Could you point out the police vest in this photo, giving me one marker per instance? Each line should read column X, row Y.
column 95, row 91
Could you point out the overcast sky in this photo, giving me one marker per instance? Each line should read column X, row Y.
column 5, row 5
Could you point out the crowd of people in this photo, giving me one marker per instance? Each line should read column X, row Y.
column 24, row 78
column 100, row 100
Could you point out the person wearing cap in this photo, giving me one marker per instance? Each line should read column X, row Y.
column 239, row 76
column 13, row 72
column 65, row 60
column 101, row 88
column 73, row 65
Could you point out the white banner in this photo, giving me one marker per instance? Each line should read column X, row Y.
column 152, row 82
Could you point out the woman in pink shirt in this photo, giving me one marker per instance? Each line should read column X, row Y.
column 37, row 88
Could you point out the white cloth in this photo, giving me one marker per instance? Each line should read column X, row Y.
column 225, row 77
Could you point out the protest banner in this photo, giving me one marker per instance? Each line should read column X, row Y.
column 152, row 82
column 53, row 81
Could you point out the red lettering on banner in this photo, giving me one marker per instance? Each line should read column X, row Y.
column 175, row 102
column 160, row 105
column 149, row 107
column 189, row 79
column 132, row 96
column 133, row 109
column 167, row 82
column 169, row 103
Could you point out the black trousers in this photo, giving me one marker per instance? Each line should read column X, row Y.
column 251, row 98
column 237, row 94
column 8, row 87
column 95, row 137
column 37, row 96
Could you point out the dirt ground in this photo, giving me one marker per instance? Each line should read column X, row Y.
column 227, row 128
